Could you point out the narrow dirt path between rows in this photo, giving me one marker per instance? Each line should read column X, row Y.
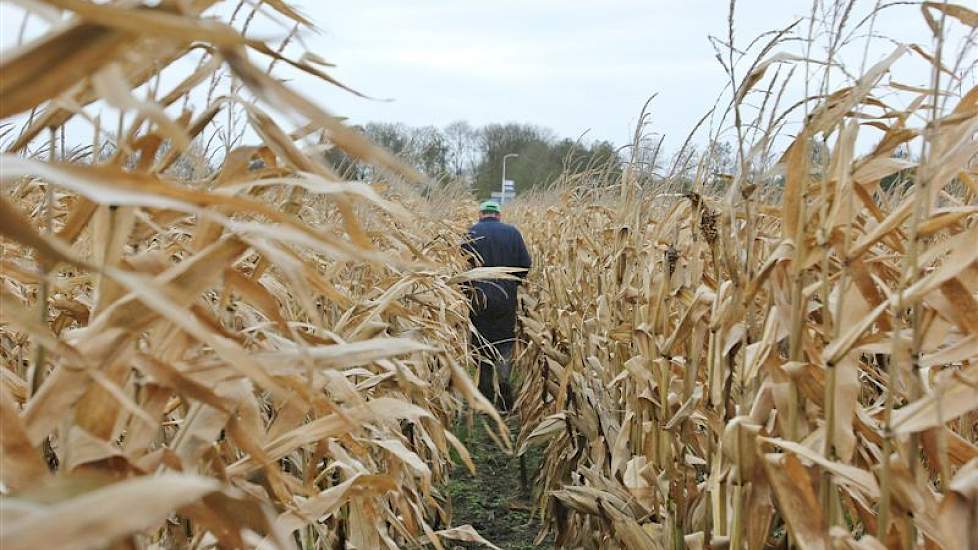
column 493, row 500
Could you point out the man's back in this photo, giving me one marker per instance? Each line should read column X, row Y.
column 492, row 243
column 497, row 244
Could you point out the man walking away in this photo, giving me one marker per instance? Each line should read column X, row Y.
column 493, row 243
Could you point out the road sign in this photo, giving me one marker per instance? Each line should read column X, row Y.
column 509, row 186
column 501, row 198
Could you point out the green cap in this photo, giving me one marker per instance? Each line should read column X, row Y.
column 489, row 206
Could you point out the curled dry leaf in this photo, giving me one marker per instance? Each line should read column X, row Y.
column 104, row 514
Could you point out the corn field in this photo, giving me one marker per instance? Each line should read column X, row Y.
column 262, row 357
column 786, row 365
column 267, row 356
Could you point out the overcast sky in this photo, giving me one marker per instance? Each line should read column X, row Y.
column 570, row 65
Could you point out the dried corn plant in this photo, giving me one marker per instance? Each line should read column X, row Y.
column 790, row 362
column 259, row 355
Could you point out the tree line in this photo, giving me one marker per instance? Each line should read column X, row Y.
column 460, row 151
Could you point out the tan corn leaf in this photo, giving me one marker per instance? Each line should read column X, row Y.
column 304, row 67
column 957, row 522
column 55, row 63
column 847, row 389
column 758, row 72
column 465, row 533
column 955, row 396
column 797, row 501
column 405, row 455
column 22, row 464
column 915, row 496
column 878, row 168
column 156, row 21
column 167, row 375
column 739, row 446
column 956, row 517
column 965, row 15
column 326, row 503
column 256, row 295
column 620, row 453
column 289, row 11
column 839, row 105
column 944, row 219
column 838, row 348
column 85, row 448
column 892, row 221
column 845, row 474
column 69, row 382
column 463, row 453
column 796, row 180
column 959, row 450
column 964, row 307
column 103, row 515
column 198, row 433
column 463, row 383
column 350, row 354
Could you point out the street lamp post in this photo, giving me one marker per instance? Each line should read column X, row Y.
column 502, row 184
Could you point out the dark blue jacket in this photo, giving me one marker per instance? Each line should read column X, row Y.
column 492, row 243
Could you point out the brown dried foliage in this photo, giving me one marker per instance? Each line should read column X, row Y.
column 256, row 356
column 780, row 365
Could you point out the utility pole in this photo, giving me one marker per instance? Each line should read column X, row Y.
column 502, row 184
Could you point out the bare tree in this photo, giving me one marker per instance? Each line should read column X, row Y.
column 463, row 147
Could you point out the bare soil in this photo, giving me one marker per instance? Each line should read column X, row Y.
column 494, row 500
